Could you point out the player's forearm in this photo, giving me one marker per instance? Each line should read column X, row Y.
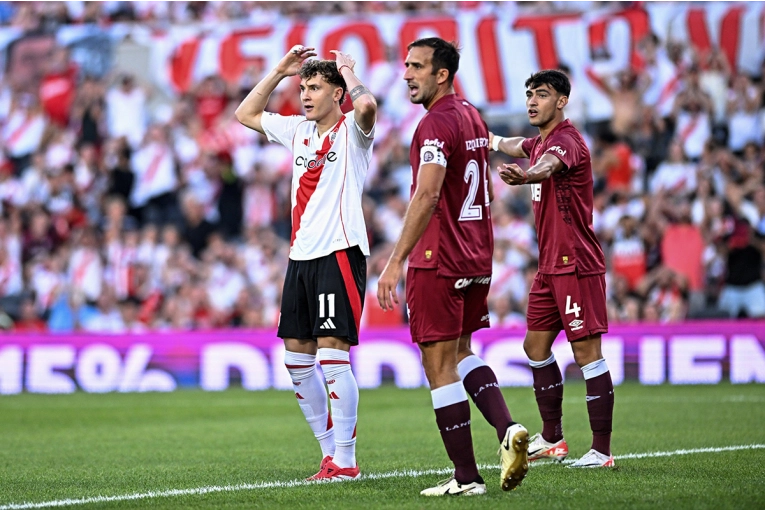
column 251, row 108
column 539, row 172
column 417, row 217
column 512, row 146
column 364, row 103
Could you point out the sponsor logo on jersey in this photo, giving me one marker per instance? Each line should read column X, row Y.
column 558, row 149
column 474, row 144
column 313, row 163
column 428, row 157
column 576, row 324
column 464, row 282
column 435, row 142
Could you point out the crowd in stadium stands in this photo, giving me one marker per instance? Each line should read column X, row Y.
column 118, row 215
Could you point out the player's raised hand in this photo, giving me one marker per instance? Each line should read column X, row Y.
column 387, row 284
column 343, row 59
column 290, row 63
column 512, row 174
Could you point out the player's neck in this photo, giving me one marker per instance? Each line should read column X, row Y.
column 441, row 93
column 328, row 121
column 547, row 128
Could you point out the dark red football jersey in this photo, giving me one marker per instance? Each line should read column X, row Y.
column 459, row 240
column 563, row 205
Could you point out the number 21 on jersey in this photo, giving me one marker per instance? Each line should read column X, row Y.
column 471, row 210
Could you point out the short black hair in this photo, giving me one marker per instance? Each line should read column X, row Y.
column 446, row 55
column 327, row 69
column 554, row 78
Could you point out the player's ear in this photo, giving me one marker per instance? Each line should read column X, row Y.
column 337, row 94
column 442, row 76
column 562, row 102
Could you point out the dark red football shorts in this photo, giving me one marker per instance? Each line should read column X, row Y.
column 566, row 301
column 445, row 308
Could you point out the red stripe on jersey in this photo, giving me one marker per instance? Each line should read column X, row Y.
column 334, row 362
column 309, row 180
column 298, row 366
column 350, row 287
column 329, row 421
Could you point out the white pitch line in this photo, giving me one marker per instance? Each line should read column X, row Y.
column 403, row 473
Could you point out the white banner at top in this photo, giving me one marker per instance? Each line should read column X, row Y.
column 500, row 47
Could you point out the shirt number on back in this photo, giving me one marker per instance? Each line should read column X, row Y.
column 470, row 211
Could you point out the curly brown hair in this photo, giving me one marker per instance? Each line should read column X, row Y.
column 327, row 69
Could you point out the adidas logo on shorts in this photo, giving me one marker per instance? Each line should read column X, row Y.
column 328, row 324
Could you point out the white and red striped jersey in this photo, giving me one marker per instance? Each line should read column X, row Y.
column 328, row 174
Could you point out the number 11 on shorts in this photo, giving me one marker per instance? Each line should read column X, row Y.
column 572, row 308
column 331, row 305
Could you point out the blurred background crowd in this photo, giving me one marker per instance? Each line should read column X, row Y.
column 125, row 210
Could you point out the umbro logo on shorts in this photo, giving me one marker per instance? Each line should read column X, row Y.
column 576, row 324
column 328, row 324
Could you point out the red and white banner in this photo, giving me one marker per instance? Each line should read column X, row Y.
column 500, row 46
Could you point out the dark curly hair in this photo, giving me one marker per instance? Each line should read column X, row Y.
column 327, row 69
column 554, row 78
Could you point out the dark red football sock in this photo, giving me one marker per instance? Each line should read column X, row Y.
column 600, row 407
column 454, row 424
column 481, row 384
column 548, row 389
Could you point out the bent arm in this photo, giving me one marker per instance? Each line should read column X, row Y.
column 250, row 111
column 545, row 167
column 364, row 103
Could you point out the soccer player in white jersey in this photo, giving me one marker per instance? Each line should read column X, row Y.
column 326, row 276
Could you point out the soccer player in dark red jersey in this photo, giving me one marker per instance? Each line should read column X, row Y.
column 569, row 290
column 447, row 236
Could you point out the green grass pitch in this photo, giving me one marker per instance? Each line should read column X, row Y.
column 220, row 450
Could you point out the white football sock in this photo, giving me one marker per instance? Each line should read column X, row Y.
column 344, row 399
column 312, row 398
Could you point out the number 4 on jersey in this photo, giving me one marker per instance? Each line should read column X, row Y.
column 572, row 307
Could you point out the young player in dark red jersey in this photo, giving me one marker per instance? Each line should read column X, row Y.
column 447, row 236
column 569, row 290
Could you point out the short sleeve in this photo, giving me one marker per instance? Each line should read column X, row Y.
column 528, row 145
column 435, row 140
column 358, row 136
column 565, row 148
column 280, row 129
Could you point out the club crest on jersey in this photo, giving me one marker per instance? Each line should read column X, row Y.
column 428, row 254
column 428, row 157
column 565, row 259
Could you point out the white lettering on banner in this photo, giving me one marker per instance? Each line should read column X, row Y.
column 747, row 360
column 135, row 376
column 280, row 376
column 681, row 359
column 217, row 359
column 509, row 362
column 42, row 363
column 684, row 352
column 371, row 356
column 99, row 368
column 653, row 361
column 11, row 370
